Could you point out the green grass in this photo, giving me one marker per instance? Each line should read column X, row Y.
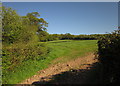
column 71, row 49
column 65, row 49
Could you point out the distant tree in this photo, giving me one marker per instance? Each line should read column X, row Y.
column 34, row 20
column 40, row 23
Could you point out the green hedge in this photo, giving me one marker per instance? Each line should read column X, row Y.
column 109, row 56
column 14, row 55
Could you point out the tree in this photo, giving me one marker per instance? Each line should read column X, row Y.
column 20, row 41
column 34, row 20
column 11, row 24
column 40, row 23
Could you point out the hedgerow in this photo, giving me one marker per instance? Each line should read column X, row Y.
column 20, row 38
column 109, row 56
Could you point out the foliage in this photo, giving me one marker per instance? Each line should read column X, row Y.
column 64, row 49
column 43, row 36
column 20, row 41
column 109, row 53
column 21, row 35
column 69, row 36
column 11, row 25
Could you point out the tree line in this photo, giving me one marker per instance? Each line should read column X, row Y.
column 69, row 36
column 21, row 36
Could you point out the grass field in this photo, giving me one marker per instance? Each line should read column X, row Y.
column 64, row 49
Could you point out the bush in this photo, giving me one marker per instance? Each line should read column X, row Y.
column 109, row 56
column 20, row 41
column 17, row 53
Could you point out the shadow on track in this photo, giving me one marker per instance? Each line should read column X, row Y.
column 89, row 75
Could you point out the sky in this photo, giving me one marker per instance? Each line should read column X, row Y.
column 72, row 17
column 119, row 14
column 60, row 0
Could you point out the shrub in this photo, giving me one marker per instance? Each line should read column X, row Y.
column 17, row 53
column 109, row 56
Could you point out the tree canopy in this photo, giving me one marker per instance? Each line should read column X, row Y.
column 16, row 28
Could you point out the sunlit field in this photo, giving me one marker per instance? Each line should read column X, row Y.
column 65, row 49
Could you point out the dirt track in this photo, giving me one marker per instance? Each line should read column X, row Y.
column 47, row 74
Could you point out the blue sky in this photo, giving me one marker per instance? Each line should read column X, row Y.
column 73, row 17
column 119, row 14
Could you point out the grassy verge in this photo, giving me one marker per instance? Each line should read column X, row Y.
column 65, row 49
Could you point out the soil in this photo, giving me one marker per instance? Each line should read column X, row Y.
column 61, row 73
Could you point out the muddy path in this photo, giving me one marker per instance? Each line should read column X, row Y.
column 75, row 71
